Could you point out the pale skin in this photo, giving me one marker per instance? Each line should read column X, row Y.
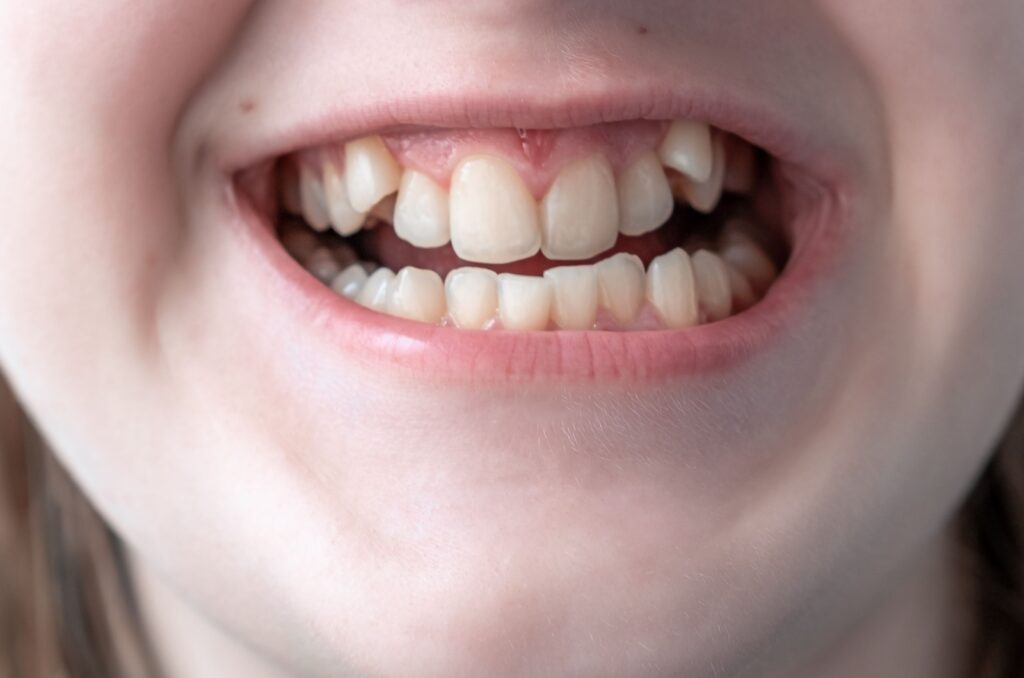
column 293, row 510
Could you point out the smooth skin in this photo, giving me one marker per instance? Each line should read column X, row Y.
column 295, row 511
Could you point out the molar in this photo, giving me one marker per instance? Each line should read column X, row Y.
column 580, row 212
column 621, row 282
column 472, row 295
column 371, row 172
column 574, row 296
column 313, row 199
column 645, row 197
column 350, row 282
column 687, row 149
column 421, row 213
column 672, row 290
column 524, row 302
column 493, row 216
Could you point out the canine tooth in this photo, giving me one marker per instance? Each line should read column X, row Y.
column 645, row 197
column 621, row 282
column 743, row 296
column 671, row 289
column 350, row 282
column 421, row 213
column 375, row 292
column 417, row 294
column 493, row 216
column 574, row 295
column 748, row 258
column 687, row 149
column 345, row 219
column 713, row 290
column 524, row 302
column 472, row 295
column 323, row 265
column 703, row 196
column 741, row 167
column 313, row 199
column 580, row 214
column 371, row 172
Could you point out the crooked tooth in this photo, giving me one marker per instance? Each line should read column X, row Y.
column 493, row 216
column 371, row 172
column 417, row 294
column 621, row 282
column 645, row 197
column 313, row 199
column 421, row 213
column 472, row 295
column 671, row 289
column 703, row 196
column 579, row 215
column 687, row 148
column 345, row 219
column 713, row 290
column 350, row 282
column 374, row 294
column 747, row 257
column 574, row 296
column 524, row 302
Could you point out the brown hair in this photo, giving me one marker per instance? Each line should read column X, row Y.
column 66, row 607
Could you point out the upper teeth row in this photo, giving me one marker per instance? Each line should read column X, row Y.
column 677, row 290
column 489, row 215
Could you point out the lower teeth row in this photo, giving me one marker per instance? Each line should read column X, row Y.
column 678, row 289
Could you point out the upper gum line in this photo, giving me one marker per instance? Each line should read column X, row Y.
column 578, row 192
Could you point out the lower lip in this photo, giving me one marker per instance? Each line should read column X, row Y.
column 448, row 355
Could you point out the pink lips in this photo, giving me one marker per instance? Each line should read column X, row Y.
column 441, row 354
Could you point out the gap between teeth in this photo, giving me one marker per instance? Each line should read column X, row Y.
column 488, row 214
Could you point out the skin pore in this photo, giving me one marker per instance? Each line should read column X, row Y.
column 297, row 507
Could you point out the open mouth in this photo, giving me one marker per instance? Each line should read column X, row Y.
column 627, row 226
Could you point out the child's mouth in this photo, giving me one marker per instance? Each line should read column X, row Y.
column 623, row 226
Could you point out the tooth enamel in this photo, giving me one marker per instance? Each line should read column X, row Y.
column 748, row 258
column 579, row 216
column 621, row 282
column 574, row 296
column 671, row 289
column 713, row 290
column 741, row 169
column 687, row 149
column 417, row 294
column 421, row 213
column 314, row 202
column 645, row 197
column 524, row 302
column 493, row 216
column 472, row 295
column 350, row 282
column 704, row 196
column 371, row 172
column 344, row 218
column 323, row 265
column 375, row 292
column 743, row 296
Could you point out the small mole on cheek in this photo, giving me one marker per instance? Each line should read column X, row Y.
column 641, row 30
column 247, row 105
